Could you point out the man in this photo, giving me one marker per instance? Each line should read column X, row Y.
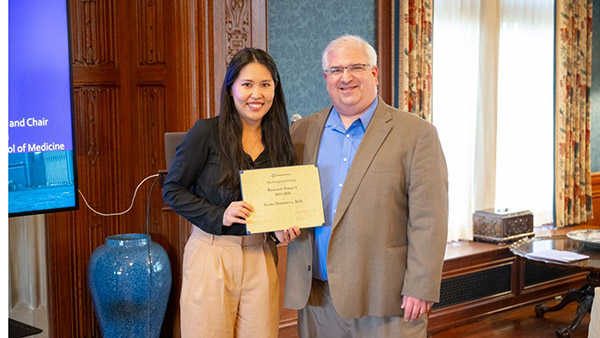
column 374, row 269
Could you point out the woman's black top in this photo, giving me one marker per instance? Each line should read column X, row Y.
column 191, row 189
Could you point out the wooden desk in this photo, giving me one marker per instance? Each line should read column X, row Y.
column 584, row 295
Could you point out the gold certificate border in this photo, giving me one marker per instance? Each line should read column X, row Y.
column 282, row 197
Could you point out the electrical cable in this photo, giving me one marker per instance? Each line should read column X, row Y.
column 147, row 232
column 149, row 255
column 122, row 212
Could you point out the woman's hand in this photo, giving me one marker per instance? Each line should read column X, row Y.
column 237, row 212
column 288, row 235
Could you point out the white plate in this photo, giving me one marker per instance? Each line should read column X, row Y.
column 590, row 237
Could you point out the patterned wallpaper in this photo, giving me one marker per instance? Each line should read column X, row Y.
column 299, row 31
column 595, row 90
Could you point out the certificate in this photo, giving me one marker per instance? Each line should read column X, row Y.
column 282, row 197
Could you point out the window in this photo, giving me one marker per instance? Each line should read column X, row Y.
column 493, row 106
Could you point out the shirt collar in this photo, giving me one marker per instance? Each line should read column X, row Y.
column 335, row 122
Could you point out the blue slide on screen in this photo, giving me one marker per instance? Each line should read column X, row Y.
column 41, row 161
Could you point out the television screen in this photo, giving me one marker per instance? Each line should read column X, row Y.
column 41, row 151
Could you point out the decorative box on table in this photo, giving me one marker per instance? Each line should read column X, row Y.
column 502, row 226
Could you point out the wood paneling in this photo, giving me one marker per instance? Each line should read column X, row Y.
column 384, row 15
column 123, row 88
column 595, row 199
column 151, row 32
column 72, row 236
column 93, row 32
column 190, row 72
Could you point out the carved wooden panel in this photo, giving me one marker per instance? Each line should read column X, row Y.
column 96, row 110
column 93, row 32
column 97, row 139
column 151, row 34
column 150, row 124
column 148, row 129
column 73, row 236
column 237, row 26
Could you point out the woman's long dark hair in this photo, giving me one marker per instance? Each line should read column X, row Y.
column 274, row 125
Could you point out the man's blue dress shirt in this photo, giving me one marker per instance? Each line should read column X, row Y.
column 336, row 152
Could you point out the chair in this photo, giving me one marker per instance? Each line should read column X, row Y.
column 172, row 140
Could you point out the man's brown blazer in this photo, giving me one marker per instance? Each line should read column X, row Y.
column 389, row 233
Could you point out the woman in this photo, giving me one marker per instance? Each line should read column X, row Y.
column 230, row 286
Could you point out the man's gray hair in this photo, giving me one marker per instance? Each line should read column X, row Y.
column 352, row 41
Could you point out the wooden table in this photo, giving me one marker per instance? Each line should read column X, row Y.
column 584, row 295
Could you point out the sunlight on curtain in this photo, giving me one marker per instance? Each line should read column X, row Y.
column 525, row 160
column 524, row 127
column 455, row 74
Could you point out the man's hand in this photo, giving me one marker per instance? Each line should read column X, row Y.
column 414, row 307
column 288, row 235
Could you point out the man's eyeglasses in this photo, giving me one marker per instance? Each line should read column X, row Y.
column 354, row 69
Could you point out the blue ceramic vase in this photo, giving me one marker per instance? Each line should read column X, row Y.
column 130, row 281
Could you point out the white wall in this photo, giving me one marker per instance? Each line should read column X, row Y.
column 27, row 281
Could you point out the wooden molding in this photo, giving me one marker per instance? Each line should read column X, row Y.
column 384, row 12
column 596, row 185
column 595, row 200
column 205, row 64
column 258, row 20
column 189, row 47
column 485, row 265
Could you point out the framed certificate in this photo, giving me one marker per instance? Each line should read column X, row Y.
column 282, row 197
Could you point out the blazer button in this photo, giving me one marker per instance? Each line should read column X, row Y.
column 309, row 268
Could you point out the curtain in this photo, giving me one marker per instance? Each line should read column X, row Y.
column 572, row 177
column 524, row 156
column 414, row 83
column 492, row 104
column 455, row 86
